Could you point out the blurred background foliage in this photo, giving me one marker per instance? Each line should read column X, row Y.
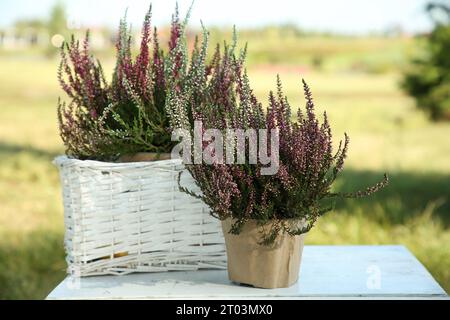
column 428, row 78
column 358, row 79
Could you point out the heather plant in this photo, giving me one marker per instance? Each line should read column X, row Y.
column 206, row 86
column 291, row 200
column 105, row 120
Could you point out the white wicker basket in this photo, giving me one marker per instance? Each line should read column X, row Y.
column 131, row 217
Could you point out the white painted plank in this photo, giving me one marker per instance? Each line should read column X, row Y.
column 326, row 271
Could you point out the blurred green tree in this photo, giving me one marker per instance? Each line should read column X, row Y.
column 428, row 78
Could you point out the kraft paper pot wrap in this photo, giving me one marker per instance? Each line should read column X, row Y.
column 274, row 266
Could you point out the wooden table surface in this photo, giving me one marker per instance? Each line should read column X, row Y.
column 326, row 272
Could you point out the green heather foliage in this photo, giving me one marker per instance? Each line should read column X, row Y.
column 428, row 79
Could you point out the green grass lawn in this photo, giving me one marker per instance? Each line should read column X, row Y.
column 274, row 45
column 387, row 135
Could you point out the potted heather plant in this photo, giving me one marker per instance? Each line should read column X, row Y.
column 123, row 211
column 126, row 117
column 265, row 216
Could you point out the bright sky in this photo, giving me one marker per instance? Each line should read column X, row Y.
column 347, row 16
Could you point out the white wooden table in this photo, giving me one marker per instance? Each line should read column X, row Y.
column 326, row 272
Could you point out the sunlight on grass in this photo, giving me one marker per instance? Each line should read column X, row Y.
column 387, row 135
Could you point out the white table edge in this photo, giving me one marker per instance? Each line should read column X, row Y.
column 374, row 296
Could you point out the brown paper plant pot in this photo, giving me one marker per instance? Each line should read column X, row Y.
column 275, row 266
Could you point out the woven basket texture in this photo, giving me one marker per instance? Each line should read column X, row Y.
column 131, row 217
